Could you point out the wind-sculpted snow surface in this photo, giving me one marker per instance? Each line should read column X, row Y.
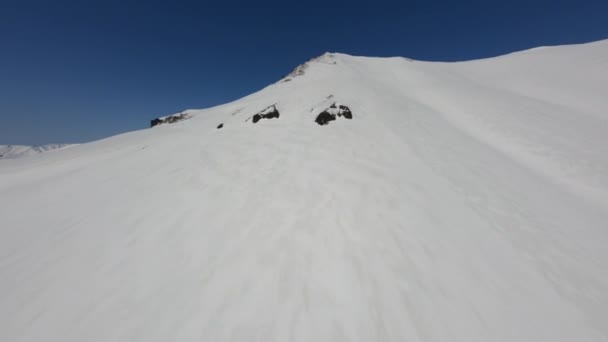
column 463, row 202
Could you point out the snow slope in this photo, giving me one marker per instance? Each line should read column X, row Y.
column 462, row 202
column 17, row 151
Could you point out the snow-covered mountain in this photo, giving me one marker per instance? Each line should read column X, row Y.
column 357, row 199
column 16, row 151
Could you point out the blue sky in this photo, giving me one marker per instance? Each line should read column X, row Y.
column 76, row 71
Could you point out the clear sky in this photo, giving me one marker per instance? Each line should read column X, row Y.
column 76, row 71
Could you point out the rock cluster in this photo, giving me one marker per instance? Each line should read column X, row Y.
column 270, row 112
column 331, row 113
column 169, row 119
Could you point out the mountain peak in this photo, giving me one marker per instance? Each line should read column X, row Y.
column 326, row 58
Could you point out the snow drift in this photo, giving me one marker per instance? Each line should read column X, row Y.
column 459, row 202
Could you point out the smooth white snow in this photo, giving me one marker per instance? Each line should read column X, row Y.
column 463, row 202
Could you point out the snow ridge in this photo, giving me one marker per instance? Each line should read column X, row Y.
column 326, row 58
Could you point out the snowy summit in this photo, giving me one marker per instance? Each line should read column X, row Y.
column 357, row 199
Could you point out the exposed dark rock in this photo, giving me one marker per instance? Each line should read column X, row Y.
column 155, row 122
column 270, row 112
column 176, row 118
column 220, row 126
column 324, row 118
column 169, row 119
column 345, row 111
column 332, row 112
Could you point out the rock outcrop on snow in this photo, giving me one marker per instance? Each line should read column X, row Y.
column 334, row 111
column 326, row 58
column 270, row 112
column 169, row 119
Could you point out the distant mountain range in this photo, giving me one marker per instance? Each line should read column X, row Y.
column 17, row 151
